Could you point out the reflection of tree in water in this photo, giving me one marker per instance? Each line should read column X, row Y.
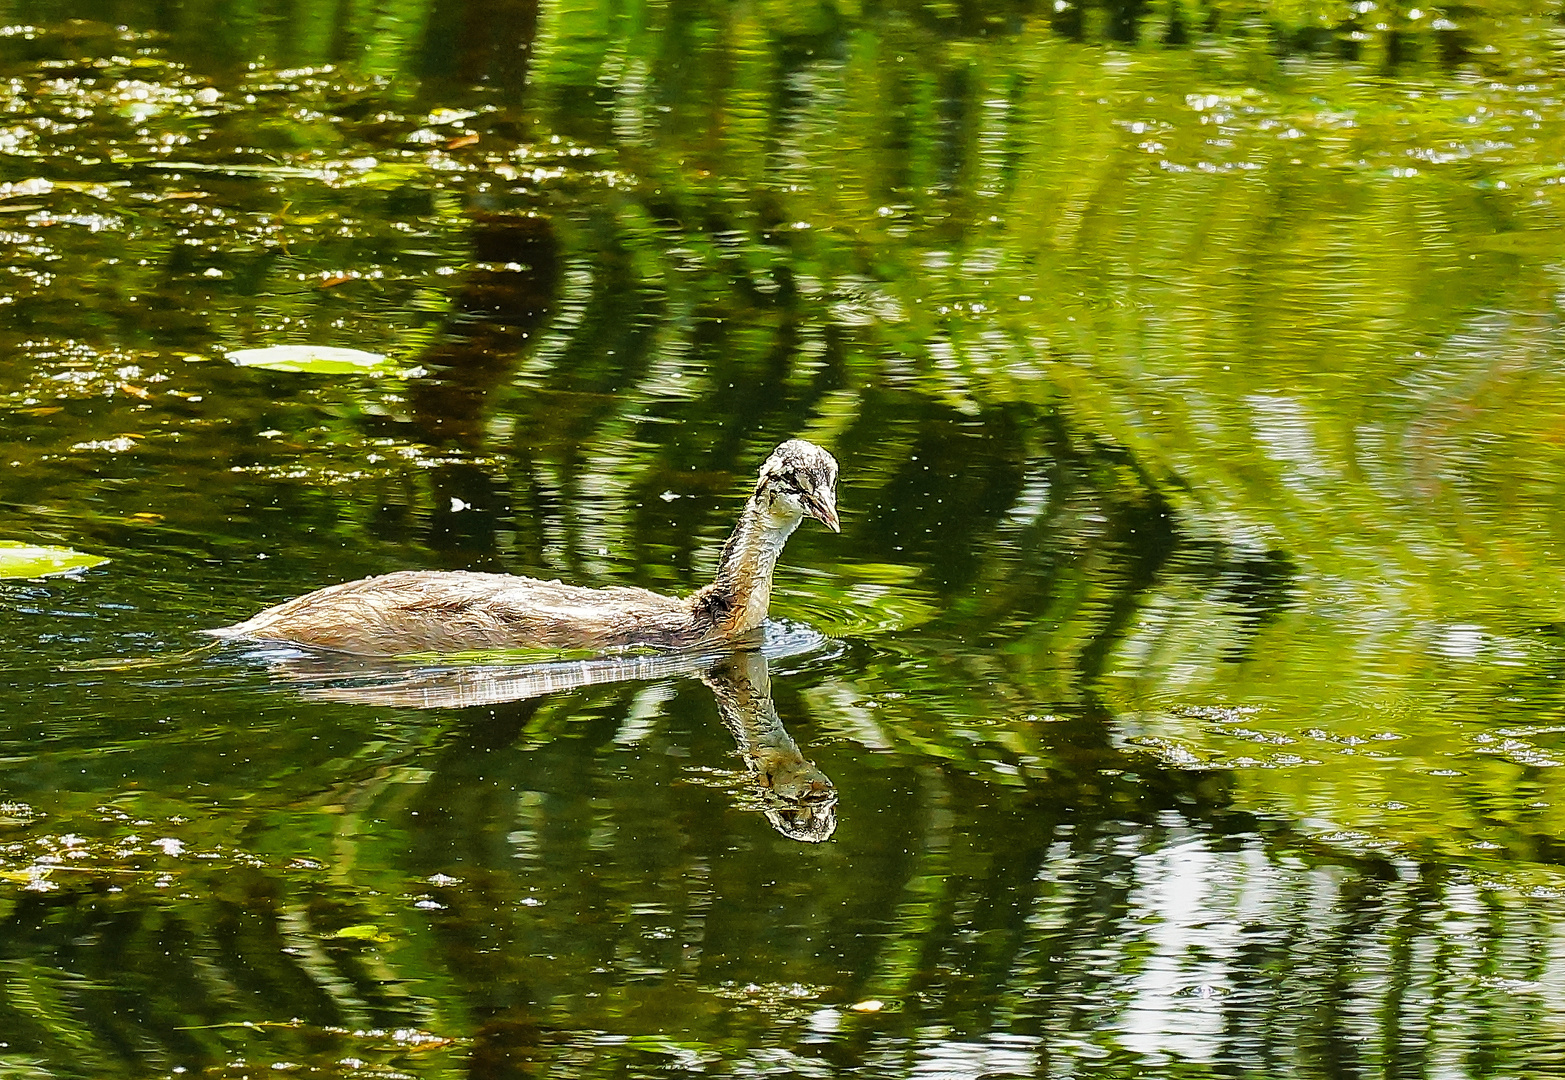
column 570, row 869
column 499, row 307
column 1083, row 905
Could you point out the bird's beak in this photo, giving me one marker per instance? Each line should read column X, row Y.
column 822, row 506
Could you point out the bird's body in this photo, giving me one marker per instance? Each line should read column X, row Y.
column 419, row 611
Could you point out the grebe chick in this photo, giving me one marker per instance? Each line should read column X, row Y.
column 417, row 611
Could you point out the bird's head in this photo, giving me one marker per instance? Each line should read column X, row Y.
column 800, row 480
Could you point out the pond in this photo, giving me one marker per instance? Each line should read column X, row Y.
column 1181, row 696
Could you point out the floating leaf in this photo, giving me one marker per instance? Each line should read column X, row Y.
column 361, row 932
column 18, row 560
column 316, row 359
column 689, row 1051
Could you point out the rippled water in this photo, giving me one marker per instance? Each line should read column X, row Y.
column 1180, row 698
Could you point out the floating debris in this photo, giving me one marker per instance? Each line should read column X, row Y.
column 22, row 560
column 315, row 360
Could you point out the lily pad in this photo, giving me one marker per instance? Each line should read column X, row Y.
column 361, row 932
column 315, row 359
column 19, row 560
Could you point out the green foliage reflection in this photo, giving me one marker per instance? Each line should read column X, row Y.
column 1198, row 409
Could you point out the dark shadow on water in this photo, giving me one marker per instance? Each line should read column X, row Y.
column 505, row 297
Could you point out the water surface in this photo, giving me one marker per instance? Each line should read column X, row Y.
column 1180, row 698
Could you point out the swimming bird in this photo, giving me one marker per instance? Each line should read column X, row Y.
column 430, row 611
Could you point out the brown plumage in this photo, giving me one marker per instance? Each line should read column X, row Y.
column 417, row 611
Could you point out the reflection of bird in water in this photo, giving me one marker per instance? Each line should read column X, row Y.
column 454, row 611
column 798, row 799
column 446, row 684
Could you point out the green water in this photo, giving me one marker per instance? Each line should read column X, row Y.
column 1182, row 692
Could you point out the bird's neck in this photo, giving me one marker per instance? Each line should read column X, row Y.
column 737, row 599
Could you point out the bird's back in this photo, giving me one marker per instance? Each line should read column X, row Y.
column 446, row 611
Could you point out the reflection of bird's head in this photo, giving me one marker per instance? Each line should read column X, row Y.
column 800, row 479
column 812, row 823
